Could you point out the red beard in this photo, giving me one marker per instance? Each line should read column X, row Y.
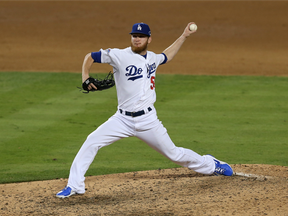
column 139, row 49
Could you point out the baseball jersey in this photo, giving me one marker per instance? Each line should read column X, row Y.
column 134, row 76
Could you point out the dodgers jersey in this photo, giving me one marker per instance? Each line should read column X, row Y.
column 134, row 76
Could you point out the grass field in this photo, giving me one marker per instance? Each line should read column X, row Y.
column 44, row 120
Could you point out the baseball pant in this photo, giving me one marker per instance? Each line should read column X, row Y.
column 146, row 127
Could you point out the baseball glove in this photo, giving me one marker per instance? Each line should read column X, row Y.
column 101, row 84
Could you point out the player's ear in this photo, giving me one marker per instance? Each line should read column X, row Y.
column 149, row 39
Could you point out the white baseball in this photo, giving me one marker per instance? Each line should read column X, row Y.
column 193, row 27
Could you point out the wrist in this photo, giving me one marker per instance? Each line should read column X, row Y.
column 84, row 78
column 184, row 36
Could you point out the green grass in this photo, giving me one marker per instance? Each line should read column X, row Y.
column 44, row 120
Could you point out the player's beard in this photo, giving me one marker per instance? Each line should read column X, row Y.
column 139, row 49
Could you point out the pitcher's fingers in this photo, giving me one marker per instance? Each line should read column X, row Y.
column 92, row 86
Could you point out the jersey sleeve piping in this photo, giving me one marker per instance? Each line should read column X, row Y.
column 96, row 56
column 165, row 59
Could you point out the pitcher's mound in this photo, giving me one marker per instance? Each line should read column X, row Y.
column 255, row 190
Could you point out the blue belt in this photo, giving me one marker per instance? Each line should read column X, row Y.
column 135, row 114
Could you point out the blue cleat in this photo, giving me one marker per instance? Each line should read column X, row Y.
column 222, row 168
column 66, row 192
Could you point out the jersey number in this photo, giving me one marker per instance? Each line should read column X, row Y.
column 152, row 86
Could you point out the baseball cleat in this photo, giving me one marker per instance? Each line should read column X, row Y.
column 66, row 192
column 222, row 168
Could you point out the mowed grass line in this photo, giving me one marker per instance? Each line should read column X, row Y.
column 44, row 120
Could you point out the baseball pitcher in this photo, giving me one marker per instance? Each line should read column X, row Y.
column 134, row 70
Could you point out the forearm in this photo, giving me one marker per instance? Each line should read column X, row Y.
column 87, row 64
column 172, row 50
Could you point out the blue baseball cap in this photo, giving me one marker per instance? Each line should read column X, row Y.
column 141, row 28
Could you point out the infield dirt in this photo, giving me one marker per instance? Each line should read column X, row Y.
column 233, row 38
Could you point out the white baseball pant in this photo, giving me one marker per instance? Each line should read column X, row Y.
column 146, row 127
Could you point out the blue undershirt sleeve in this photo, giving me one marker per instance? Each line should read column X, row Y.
column 165, row 60
column 96, row 56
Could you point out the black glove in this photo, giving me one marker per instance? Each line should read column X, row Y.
column 100, row 84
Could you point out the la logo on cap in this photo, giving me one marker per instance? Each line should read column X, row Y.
column 139, row 27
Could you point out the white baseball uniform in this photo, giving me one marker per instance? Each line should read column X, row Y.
column 135, row 116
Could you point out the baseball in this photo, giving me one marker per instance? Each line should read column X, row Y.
column 193, row 27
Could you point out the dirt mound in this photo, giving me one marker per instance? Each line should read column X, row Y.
column 257, row 190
